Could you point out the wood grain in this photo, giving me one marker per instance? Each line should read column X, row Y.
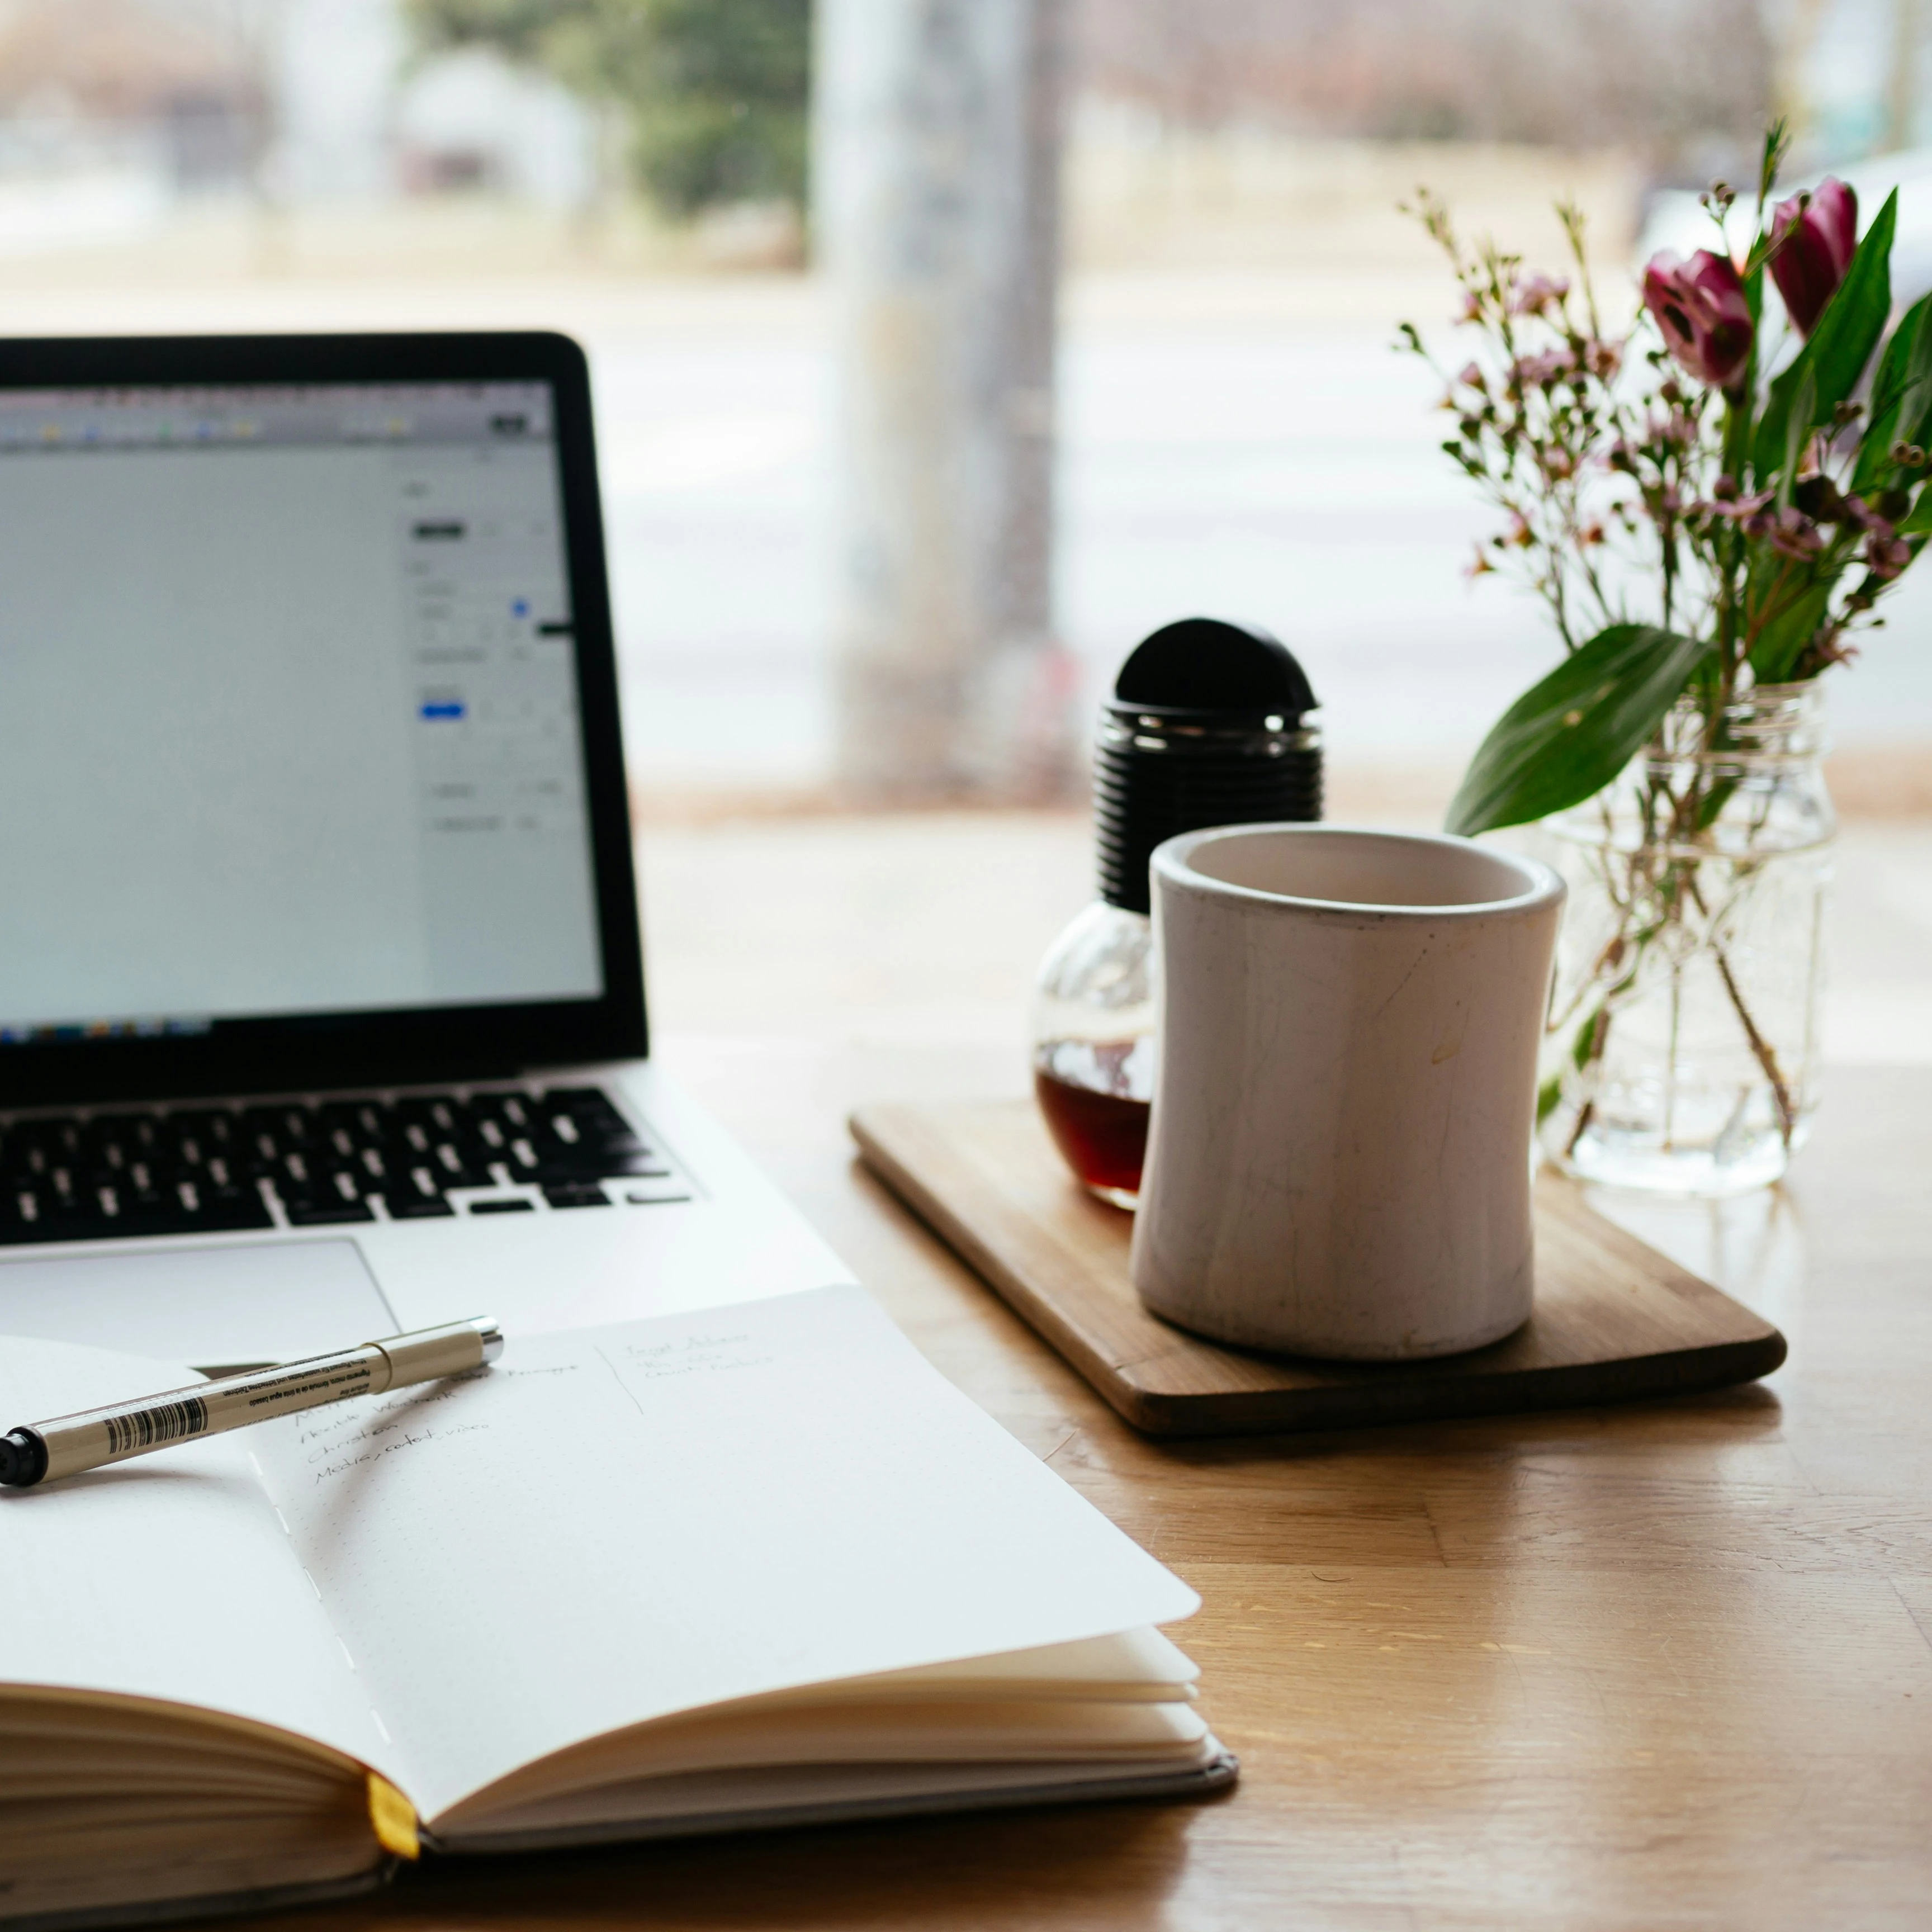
column 1614, row 1319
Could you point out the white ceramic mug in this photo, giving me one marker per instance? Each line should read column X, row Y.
column 1339, row 1161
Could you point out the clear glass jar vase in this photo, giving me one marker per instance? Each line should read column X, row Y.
column 1682, row 1051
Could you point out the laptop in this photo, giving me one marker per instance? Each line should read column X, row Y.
column 322, row 1000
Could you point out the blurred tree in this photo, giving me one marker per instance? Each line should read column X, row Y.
column 716, row 92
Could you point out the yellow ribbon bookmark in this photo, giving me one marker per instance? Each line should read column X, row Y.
column 394, row 1819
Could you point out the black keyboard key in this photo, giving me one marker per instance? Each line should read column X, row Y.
column 113, row 1141
column 420, row 1185
column 287, row 1122
column 447, row 1163
column 418, row 1207
column 366, row 1123
column 26, row 1218
column 194, row 1170
column 203, row 1136
column 224, row 1209
column 437, row 1118
column 22, row 1216
column 244, row 1204
column 311, row 1195
column 576, row 1194
column 643, row 1166
column 257, row 1153
column 318, row 1212
column 584, row 1116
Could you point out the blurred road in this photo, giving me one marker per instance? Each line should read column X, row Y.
column 1237, row 467
column 1236, row 443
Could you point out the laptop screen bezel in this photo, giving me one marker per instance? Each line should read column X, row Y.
column 306, row 1052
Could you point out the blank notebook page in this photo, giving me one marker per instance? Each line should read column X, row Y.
column 615, row 1524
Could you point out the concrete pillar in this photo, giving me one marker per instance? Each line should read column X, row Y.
column 938, row 133
column 1901, row 88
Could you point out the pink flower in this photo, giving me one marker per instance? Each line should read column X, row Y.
column 1812, row 236
column 1539, row 372
column 1739, row 509
column 1886, row 557
column 1536, row 294
column 1793, row 534
column 1699, row 305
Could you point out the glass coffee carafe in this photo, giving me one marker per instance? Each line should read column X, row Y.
column 1209, row 724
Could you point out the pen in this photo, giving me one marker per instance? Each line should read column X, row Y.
column 42, row 1452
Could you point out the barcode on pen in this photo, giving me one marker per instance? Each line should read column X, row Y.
column 152, row 1425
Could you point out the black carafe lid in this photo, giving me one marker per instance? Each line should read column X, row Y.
column 1208, row 725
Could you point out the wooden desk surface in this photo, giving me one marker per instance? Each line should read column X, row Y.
column 1663, row 1665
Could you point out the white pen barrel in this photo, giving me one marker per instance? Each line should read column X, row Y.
column 97, row 1436
column 432, row 1352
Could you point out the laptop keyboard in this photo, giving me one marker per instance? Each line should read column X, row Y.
column 194, row 1170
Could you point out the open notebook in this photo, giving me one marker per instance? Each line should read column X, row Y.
column 758, row 1565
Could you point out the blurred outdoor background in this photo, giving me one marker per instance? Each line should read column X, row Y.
column 1164, row 236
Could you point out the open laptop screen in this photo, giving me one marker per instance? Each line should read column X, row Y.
column 290, row 708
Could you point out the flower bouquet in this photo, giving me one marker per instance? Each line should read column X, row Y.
column 1711, row 503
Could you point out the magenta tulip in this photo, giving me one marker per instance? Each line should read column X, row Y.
column 1699, row 305
column 1812, row 236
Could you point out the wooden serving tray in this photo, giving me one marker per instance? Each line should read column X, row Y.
column 1614, row 1319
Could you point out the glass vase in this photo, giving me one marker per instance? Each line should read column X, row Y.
column 1681, row 1051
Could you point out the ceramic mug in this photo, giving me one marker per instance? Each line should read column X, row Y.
column 1339, row 1160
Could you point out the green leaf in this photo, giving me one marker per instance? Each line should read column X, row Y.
column 1901, row 394
column 1583, row 1048
column 1918, row 519
column 1569, row 735
column 1798, row 422
column 1839, row 347
column 1737, row 403
column 1782, row 641
column 1549, row 1096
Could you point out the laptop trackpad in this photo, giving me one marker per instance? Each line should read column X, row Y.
column 210, row 1307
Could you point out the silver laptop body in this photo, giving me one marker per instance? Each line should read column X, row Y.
column 322, row 1007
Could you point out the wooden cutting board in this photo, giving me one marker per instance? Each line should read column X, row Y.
column 1614, row 1319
